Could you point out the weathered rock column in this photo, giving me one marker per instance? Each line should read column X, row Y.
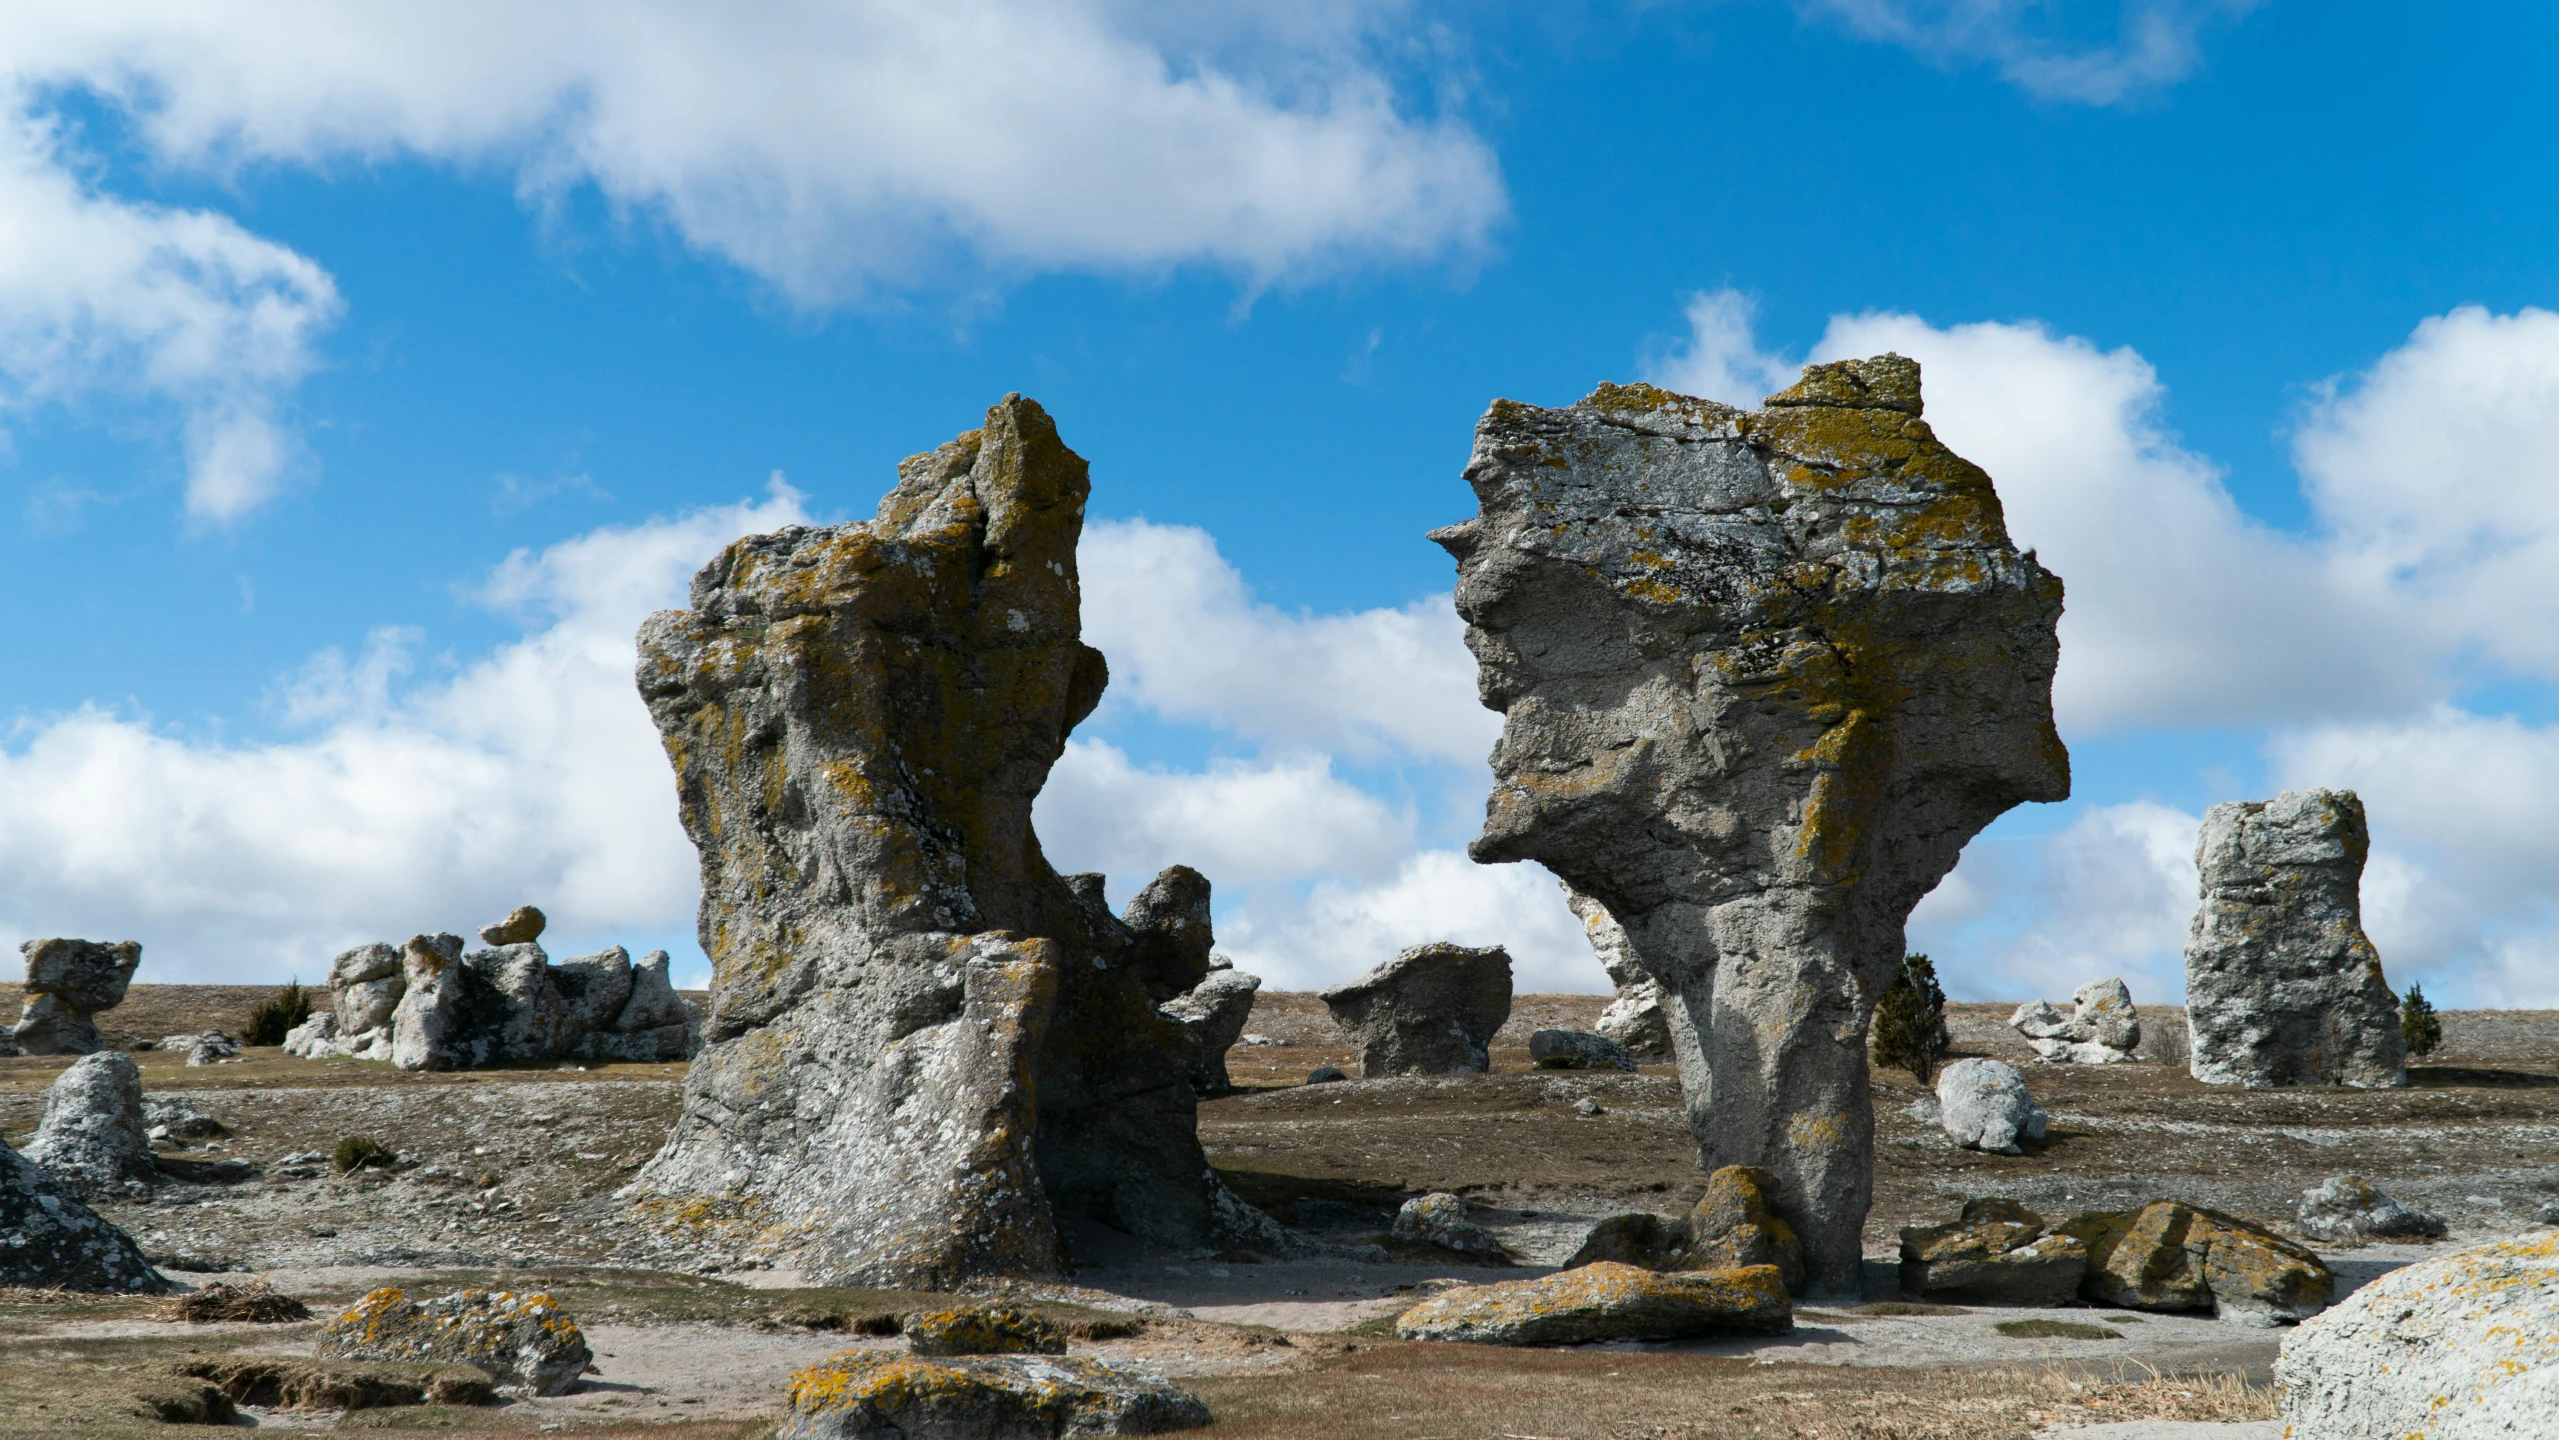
column 928, row 1056
column 2282, row 986
column 1764, row 675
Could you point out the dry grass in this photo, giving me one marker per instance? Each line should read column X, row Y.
column 1393, row 1391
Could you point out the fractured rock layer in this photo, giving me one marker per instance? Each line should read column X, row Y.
column 859, row 719
column 1763, row 675
column 2282, row 985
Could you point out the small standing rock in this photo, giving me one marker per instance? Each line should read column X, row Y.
column 68, row 981
column 93, row 1141
column 1431, row 1010
column 1212, row 1014
column 1440, row 1219
column 524, row 1342
column 1985, row 1105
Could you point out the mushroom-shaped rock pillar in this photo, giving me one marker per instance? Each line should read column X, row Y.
column 1763, row 675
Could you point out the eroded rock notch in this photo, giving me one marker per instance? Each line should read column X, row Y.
column 859, row 719
column 1764, row 674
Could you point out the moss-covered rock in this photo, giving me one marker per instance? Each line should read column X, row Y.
column 525, row 1343
column 983, row 1330
column 1997, row 1252
column 864, row 1393
column 2172, row 1256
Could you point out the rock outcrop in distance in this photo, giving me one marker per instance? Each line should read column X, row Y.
column 430, row 1005
column 1432, row 1010
column 2102, row 1028
column 1635, row 1019
column 2282, row 985
column 1763, row 675
column 859, row 719
column 68, row 983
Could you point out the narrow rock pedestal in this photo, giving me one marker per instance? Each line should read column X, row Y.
column 1763, row 675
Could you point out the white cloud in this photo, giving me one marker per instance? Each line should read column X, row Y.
column 2112, row 893
column 1337, row 930
column 1238, row 822
column 828, row 150
column 531, row 774
column 1187, row 641
column 2037, row 46
column 1720, row 359
column 104, row 296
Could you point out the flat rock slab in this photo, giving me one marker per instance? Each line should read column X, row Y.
column 981, row 1397
column 1605, row 1301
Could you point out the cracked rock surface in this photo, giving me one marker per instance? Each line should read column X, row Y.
column 1763, row 674
column 859, row 719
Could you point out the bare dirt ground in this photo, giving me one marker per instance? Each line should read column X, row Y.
column 507, row 1176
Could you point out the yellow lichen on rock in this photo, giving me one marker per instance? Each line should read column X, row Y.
column 1606, row 1301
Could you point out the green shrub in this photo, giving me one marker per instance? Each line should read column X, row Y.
column 2418, row 1023
column 269, row 1023
column 1910, row 1021
column 355, row 1152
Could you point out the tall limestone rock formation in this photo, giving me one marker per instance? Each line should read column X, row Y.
column 2282, row 985
column 1763, row 675
column 928, row 1057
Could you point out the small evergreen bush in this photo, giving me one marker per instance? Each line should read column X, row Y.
column 1910, row 1021
column 355, row 1152
column 2418, row 1023
column 273, row 1020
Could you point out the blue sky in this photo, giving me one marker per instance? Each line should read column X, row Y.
column 363, row 380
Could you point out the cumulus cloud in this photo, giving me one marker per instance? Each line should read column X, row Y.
column 1720, row 358
column 1336, row 930
column 2051, row 51
column 2112, row 893
column 531, row 773
column 828, row 150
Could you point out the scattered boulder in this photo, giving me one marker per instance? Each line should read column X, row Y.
column 1431, row 1010
column 594, row 990
column 282, row 1383
column 1212, row 1013
column 2172, row 1256
column 68, row 981
column 656, row 1024
column 1605, row 1301
column 1577, row 1050
column 1763, row 676
column 2346, row 1210
column 1325, row 1075
column 93, row 1141
column 1730, row 1227
column 2548, row 1214
column 1997, row 1252
column 863, row 1394
column 49, row 1240
column 523, row 1342
column 1439, row 1218
column 167, row 1119
column 2282, row 985
column 2102, row 1029
column 1985, row 1105
column 509, row 1004
column 2461, row 1347
column 929, row 1055
column 983, row 1330
column 206, row 1049
column 522, row 926
column 1635, row 1019
column 255, row 1303
column 367, row 983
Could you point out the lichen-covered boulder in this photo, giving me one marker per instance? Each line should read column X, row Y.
column 1605, row 1301
column 654, row 1024
column 860, row 719
column 1577, row 1050
column 1439, row 1218
column 2347, row 1210
column 1997, row 1252
column 524, row 1342
column 49, row 1240
column 867, row 1395
column 983, row 1330
column 447, row 1016
column 2282, row 985
column 1732, row 1227
column 1431, row 1010
column 1763, row 675
column 593, row 991
column 2172, row 1256
column 1635, row 1019
column 93, row 1140
column 2461, row 1347
column 1985, row 1105
column 1213, row 1013
column 2103, row 1028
